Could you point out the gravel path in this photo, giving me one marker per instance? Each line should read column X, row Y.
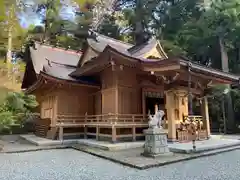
column 74, row 165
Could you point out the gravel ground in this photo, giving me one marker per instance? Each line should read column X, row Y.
column 75, row 165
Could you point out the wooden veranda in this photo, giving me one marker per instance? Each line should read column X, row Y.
column 109, row 126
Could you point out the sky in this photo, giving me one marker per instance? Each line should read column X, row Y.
column 30, row 17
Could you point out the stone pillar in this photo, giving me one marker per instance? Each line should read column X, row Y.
column 170, row 105
column 205, row 115
column 155, row 143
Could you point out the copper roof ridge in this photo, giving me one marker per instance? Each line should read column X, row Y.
column 107, row 37
column 138, row 47
column 120, row 53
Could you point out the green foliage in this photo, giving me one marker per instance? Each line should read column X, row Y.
column 20, row 103
column 9, row 21
column 15, row 109
column 3, row 94
column 218, row 95
column 7, row 120
column 109, row 27
column 61, row 32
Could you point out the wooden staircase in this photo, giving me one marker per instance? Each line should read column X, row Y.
column 42, row 127
column 52, row 133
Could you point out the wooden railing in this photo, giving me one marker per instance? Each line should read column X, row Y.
column 103, row 119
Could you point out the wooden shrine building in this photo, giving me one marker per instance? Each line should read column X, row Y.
column 107, row 91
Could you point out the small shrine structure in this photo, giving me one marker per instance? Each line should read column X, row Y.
column 107, row 91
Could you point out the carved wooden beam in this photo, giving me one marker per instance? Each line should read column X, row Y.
column 205, row 86
column 165, row 79
column 209, row 84
column 159, row 80
column 200, row 86
column 176, row 77
column 169, row 80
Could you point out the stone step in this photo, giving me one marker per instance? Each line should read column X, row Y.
column 204, row 149
column 217, row 151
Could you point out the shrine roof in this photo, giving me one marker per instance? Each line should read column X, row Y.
column 99, row 44
column 196, row 67
column 142, row 49
column 59, row 70
column 62, row 72
column 99, row 63
column 54, row 61
column 41, row 54
column 46, row 76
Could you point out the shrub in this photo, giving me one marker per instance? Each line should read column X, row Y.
column 15, row 109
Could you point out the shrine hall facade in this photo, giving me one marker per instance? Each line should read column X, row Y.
column 107, row 91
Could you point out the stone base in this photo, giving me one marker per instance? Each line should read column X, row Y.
column 172, row 140
column 155, row 142
column 157, row 155
column 155, row 131
column 1, row 147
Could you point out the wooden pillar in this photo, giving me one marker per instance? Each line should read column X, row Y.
column 60, row 133
column 97, row 132
column 205, row 114
column 134, row 133
column 170, row 105
column 114, row 134
column 180, row 108
column 186, row 106
column 55, row 110
column 143, row 103
column 182, row 104
column 116, row 94
column 85, row 132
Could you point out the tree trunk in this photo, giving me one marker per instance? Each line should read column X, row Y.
column 225, row 68
column 9, row 50
column 224, row 56
column 139, row 31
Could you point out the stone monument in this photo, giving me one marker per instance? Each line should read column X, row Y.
column 156, row 137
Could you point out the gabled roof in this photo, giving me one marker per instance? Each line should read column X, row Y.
column 59, row 70
column 138, row 51
column 42, row 54
column 62, row 64
column 101, row 42
column 142, row 63
column 141, row 50
column 44, row 76
column 56, row 62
